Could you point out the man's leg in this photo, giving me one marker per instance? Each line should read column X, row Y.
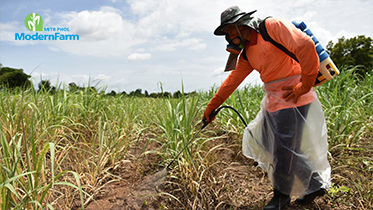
column 288, row 124
column 287, row 128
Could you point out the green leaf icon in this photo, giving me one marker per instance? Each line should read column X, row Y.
column 34, row 22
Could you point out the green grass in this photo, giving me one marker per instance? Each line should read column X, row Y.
column 347, row 105
column 43, row 135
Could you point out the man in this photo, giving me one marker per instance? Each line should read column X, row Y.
column 288, row 137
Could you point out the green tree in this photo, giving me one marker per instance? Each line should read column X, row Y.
column 124, row 93
column 137, row 92
column 45, row 86
column 112, row 93
column 177, row 94
column 353, row 52
column 73, row 87
column 12, row 78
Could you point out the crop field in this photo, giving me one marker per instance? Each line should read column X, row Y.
column 89, row 150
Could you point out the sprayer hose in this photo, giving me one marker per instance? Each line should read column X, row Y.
column 229, row 107
column 205, row 123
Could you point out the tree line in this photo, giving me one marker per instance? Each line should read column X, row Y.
column 356, row 51
column 138, row 93
column 45, row 86
column 15, row 78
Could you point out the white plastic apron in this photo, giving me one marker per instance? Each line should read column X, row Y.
column 306, row 167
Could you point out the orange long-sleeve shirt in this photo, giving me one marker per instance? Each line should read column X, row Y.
column 272, row 63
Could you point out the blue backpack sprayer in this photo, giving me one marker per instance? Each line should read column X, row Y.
column 327, row 69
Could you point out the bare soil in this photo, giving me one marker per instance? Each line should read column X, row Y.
column 233, row 182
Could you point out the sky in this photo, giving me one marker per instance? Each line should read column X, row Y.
column 151, row 45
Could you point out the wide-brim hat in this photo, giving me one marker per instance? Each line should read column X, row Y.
column 234, row 15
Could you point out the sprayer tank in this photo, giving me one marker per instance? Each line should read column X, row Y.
column 327, row 68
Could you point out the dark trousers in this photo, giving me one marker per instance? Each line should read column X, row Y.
column 285, row 128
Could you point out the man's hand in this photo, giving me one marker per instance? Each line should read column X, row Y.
column 206, row 115
column 294, row 91
column 215, row 102
column 307, row 82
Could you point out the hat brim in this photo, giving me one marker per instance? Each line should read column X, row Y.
column 218, row 31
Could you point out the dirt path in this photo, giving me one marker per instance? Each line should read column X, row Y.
column 234, row 182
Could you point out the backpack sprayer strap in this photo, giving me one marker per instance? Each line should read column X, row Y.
column 320, row 79
column 263, row 31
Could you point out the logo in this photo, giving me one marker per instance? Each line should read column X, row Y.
column 34, row 22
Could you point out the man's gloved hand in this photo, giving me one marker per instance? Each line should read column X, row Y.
column 294, row 92
column 299, row 89
column 215, row 102
column 206, row 115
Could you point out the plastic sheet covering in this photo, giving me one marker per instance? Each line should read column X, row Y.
column 289, row 141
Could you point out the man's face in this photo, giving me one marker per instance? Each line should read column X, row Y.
column 233, row 33
column 231, row 30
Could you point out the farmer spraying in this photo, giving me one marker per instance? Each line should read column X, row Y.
column 288, row 137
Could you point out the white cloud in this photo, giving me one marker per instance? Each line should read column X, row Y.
column 169, row 45
column 173, row 36
column 101, row 33
column 8, row 30
column 104, row 24
column 143, row 7
column 158, row 17
column 135, row 57
column 105, row 32
column 103, row 77
column 57, row 79
column 183, row 34
column 218, row 72
column 193, row 44
column 303, row 3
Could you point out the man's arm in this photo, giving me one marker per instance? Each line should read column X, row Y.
column 230, row 84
